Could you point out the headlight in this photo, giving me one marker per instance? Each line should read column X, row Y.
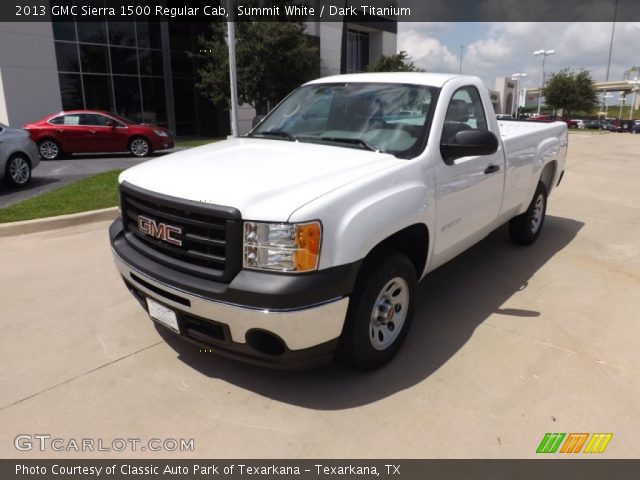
column 282, row 247
column 160, row 133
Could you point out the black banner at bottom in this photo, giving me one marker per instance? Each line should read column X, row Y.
column 206, row 469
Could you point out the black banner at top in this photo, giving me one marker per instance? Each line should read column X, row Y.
column 322, row 10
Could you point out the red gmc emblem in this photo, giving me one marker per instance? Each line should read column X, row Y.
column 161, row 231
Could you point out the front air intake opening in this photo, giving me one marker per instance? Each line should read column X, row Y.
column 265, row 342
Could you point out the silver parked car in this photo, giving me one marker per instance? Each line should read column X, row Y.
column 18, row 156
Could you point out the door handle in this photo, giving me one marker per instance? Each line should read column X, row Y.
column 60, row 130
column 491, row 169
column 92, row 131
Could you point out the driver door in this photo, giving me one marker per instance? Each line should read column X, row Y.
column 468, row 189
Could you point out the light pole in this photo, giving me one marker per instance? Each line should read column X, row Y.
column 517, row 77
column 461, row 50
column 622, row 99
column 606, row 106
column 231, row 37
column 544, row 54
column 613, row 32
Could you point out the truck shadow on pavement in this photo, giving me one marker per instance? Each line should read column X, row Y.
column 453, row 301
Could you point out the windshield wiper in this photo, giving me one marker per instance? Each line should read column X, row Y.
column 275, row 133
column 352, row 141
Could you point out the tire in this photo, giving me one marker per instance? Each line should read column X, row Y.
column 50, row 149
column 380, row 312
column 139, row 147
column 18, row 170
column 525, row 228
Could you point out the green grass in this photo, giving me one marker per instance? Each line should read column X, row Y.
column 196, row 142
column 92, row 193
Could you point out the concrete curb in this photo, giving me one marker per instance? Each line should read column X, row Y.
column 53, row 223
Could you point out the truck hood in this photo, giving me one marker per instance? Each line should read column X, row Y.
column 265, row 179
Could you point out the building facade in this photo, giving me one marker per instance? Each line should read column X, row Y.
column 143, row 71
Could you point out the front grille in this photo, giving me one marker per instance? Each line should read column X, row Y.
column 211, row 235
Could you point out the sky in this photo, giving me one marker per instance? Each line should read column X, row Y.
column 501, row 49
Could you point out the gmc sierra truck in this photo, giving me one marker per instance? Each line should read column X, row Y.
column 305, row 239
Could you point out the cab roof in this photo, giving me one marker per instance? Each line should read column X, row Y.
column 415, row 78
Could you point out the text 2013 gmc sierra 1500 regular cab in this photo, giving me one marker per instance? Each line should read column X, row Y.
column 306, row 238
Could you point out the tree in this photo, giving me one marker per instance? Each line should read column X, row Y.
column 570, row 91
column 399, row 62
column 272, row 58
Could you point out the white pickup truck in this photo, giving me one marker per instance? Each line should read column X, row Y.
column 306, row 239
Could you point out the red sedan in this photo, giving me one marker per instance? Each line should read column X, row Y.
column 90, row 131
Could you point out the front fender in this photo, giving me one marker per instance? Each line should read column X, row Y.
column 359, row 216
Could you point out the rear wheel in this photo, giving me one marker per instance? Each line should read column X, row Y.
column 524, row 229
column 380, row 312
column 18, row 171
column 139, row 147
column 50, row 149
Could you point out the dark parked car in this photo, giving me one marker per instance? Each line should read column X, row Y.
column 593, row 124
column 636, row 127
column 624, row 126
column 86, row 131
column 608, row 126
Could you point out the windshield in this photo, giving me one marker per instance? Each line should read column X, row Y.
column 390, row 118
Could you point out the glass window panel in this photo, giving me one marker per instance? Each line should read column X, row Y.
column 149, row 34
column 57, row 120
column 67, row 57
column 92, row 32
column 153, row 100
column 184, row 100
column 97, row 92
column 186, row 129
column 64, row 30
column 180, row 36
column 181, row 65
column 124, row 60
column 94, row 58
column 127, row 90
column 71, row 91
column 150, row 62
column 122, row 33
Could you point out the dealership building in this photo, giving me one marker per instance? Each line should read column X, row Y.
column 143, row 70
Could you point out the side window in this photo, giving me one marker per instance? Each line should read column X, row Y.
column 57, row 120
column 465, row 112
column 93, row 119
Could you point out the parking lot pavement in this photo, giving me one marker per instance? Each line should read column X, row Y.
column 508, row 343
column 52, row 174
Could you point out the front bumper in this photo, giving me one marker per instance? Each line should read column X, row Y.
column 210, row 315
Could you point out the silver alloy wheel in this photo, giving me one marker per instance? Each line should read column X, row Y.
column 49, row 150
column 139, row 147
column 389, row 313
column 538, row 211
column 19, row 170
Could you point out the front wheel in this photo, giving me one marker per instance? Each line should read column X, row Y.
column 380, row 312
column 525, row 228
column 18, row 171
column 140, row 147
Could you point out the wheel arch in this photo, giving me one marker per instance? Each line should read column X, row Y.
column 412, row 241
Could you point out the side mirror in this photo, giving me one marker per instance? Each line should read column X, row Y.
column 469, row 143
column 256, row 120
column 111, row 123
